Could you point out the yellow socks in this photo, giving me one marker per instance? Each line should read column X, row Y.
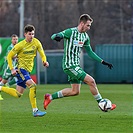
column 32, row 96
column 15, row 93
column 11, row 91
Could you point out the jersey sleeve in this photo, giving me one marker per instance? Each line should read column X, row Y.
column 90, row 52
column 66, row 33
column 63, row 34
column 41, row 52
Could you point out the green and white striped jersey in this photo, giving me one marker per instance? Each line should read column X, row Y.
column 8, row 50
column 73, row 43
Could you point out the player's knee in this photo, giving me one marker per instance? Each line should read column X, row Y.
column 91, row 82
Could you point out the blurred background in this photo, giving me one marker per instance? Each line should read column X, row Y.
column 111, row 35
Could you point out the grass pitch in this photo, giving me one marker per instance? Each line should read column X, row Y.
column 79, row 114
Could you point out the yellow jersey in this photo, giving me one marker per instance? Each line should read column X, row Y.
column 26, row 52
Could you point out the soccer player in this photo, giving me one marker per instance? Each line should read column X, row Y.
column 74, row 39
column 7, row 76
column 26, row 51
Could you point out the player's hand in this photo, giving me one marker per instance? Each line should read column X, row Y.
column 58, row 38
column 46, row 64
column 14, row 72
column 110, row 66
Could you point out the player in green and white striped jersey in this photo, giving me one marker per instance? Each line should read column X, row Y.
column 7, row 76
column 74, row 39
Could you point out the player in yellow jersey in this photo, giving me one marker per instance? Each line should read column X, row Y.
column 26, row 51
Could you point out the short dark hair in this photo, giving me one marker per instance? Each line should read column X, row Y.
column 13, row 35
column 84, row 18
column 29, row 28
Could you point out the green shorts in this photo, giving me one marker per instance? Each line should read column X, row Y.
column 75, row 74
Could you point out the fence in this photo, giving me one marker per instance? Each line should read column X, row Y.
column 121, row 57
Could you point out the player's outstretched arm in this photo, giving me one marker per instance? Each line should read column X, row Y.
column 57, row 37
column 110, row 66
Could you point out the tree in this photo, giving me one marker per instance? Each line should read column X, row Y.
column 112, row 19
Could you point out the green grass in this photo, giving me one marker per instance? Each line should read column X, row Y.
column 79, row 114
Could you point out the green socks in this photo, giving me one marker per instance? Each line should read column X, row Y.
column 57, row 95
column 98, row 97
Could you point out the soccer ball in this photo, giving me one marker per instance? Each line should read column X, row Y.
column 105, row 105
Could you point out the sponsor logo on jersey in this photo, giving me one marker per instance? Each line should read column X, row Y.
column 28, row 52
column 78, row 43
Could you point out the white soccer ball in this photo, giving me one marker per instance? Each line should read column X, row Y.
column 105, row 105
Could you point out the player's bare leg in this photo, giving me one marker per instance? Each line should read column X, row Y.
column 75, row 90
column 94, row 90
